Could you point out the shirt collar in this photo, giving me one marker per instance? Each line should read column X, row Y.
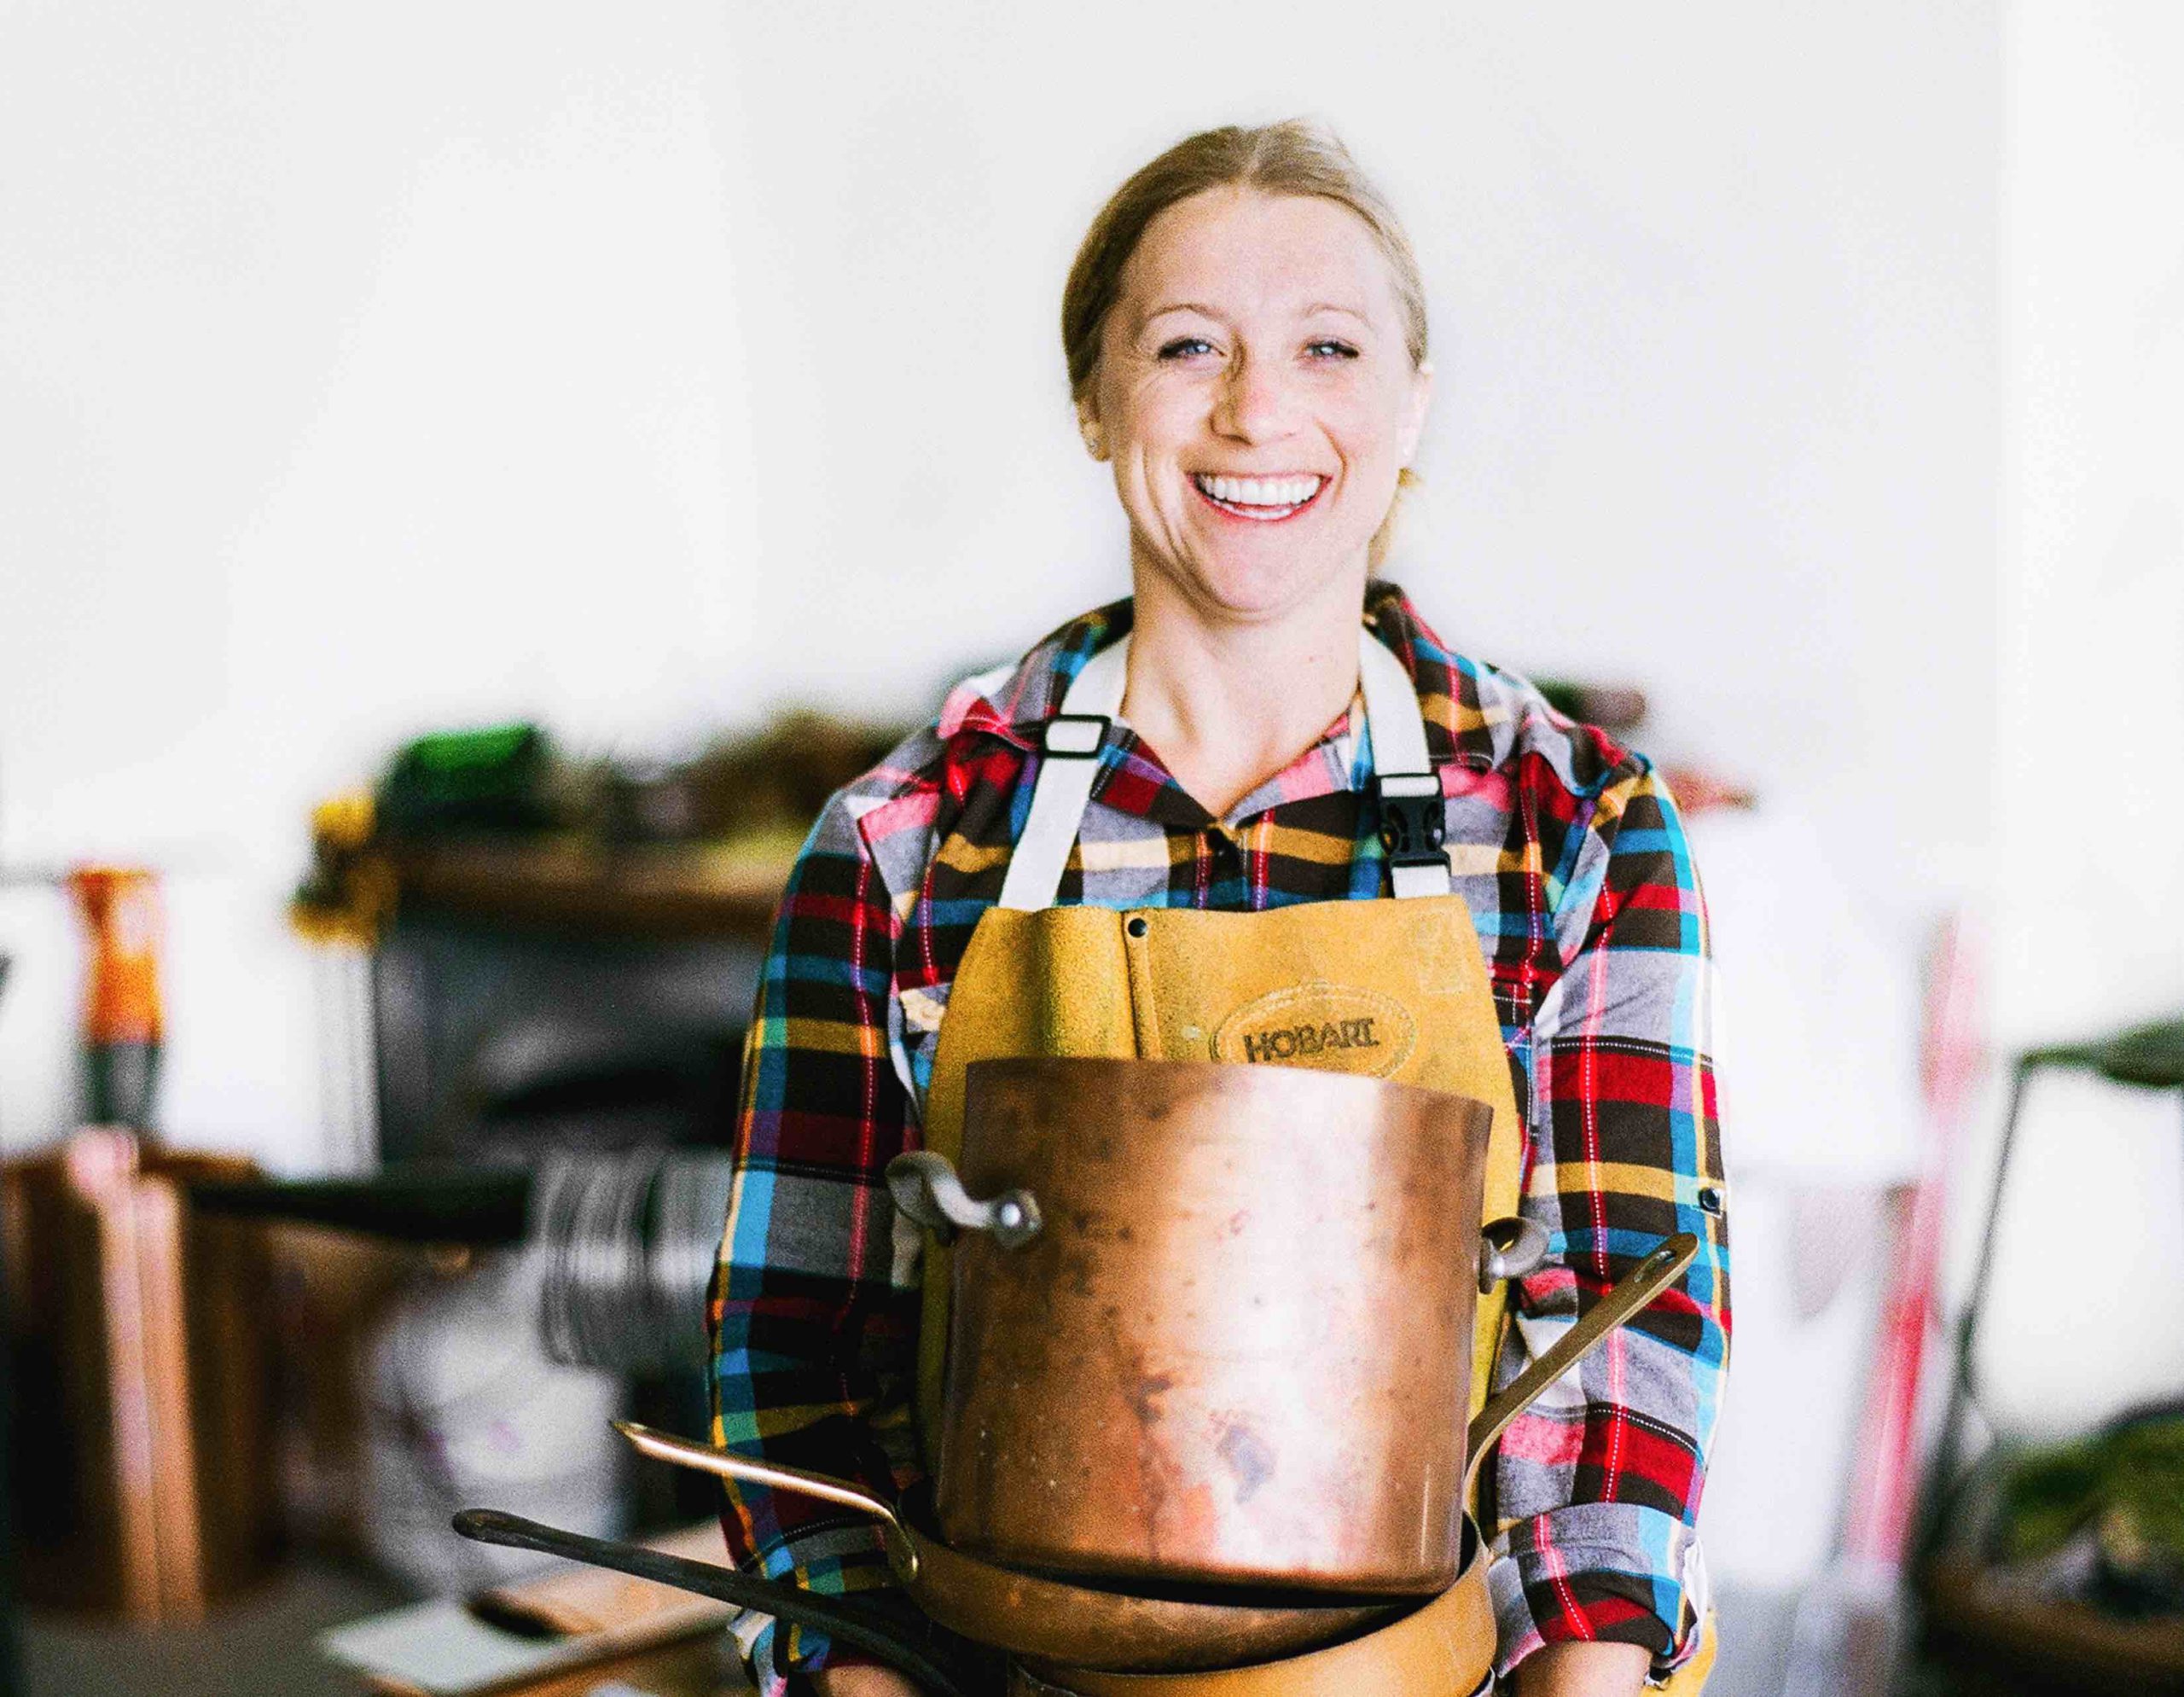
column 1466, row 703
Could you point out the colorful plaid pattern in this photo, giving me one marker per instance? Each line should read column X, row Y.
column 1570, row 854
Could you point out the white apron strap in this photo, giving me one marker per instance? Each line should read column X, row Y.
column 1408, row 789
column 1413, row 820
column 1072, row 740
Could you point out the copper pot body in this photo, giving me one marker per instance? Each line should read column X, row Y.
column 1238, row 1349
column 1441, row 1648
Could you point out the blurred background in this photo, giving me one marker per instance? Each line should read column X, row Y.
column 477, row 475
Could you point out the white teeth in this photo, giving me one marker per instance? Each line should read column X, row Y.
column 1260, row 491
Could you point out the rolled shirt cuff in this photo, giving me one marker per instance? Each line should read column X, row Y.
column 835, row 1560
column 1613, row 1573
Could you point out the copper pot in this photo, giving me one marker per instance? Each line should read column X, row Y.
column 1214, row 1324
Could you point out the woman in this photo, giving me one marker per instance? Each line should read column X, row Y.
column 1245, row 334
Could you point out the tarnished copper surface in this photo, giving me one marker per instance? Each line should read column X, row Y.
column 1441, row 1648
column 1238, row 1351
column 1076, row 1624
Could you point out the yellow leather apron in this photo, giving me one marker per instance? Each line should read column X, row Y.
column 1253, row 988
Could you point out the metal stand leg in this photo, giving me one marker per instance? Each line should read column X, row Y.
column 1941, row 1477
column 10, row 1660
column 10, row 1656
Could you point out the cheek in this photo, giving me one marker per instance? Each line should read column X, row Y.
column 1368, row 426
column 1159, row 415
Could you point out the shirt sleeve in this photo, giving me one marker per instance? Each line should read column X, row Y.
column 1596, row 1488
column 814, row 1339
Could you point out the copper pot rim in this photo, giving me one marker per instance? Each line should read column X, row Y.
column 1461, row 1610
column 1230, row 1076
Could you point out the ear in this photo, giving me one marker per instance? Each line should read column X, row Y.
column 1414, row 424
column 1088, row 426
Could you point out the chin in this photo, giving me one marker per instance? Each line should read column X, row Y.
column 1260, row 588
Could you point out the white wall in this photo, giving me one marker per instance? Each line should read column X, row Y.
column 364, row 372
column 2091, row 890
column 360, row 371
column 1714, row 309
column 2089, row 904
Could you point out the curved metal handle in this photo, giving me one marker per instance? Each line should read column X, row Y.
column 1509, row 1248
column 851, row 1622
column 1631, row 1292
column 926, row 1189
column 708, row 1458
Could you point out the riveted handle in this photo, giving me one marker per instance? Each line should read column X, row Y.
column 926, row 1189
column 1629, row 1294
column 1509, row 1248
column 723, row 1463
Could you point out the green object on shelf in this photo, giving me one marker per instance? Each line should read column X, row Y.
column 496, row 778
column 2150, row 1056
column 2122, row 1488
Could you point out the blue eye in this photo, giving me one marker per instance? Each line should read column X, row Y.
column 1183, row 347
column 1330, row 349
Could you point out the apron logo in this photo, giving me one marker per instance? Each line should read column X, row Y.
column 1309, row 1040
column 1338, row 1027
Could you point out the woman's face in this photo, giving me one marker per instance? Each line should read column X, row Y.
column 1257, row 399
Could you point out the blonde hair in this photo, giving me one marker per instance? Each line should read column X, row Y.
column 1295, row 157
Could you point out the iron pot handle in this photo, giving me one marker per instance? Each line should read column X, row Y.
column 926, row 1189
column 1509, row 1248
column 848, row 1619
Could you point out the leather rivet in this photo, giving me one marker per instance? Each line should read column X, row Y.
column 1136, row 926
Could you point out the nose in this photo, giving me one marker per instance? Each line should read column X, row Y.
column 1254, row 403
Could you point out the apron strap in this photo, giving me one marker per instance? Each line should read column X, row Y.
column 1414, row 820
column 1407, row 789
column 1071, row 741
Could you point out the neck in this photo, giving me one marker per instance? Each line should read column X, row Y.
column 1228, row 700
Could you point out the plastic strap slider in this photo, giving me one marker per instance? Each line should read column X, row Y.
column 1074, row 736
column 1414, row 819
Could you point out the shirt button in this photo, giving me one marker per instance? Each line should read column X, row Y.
column 1710, row 1199
column 1136, row 925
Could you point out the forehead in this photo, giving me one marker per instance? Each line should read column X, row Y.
column 1238, row 249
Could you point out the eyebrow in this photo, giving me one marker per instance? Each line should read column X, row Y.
column 1206, row 312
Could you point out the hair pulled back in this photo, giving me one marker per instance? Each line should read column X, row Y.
column 1295, row 157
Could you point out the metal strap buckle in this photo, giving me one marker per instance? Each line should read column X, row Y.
column 1074, row 736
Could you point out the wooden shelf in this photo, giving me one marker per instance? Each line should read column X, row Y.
column 681, row 889
column 2050, row 1644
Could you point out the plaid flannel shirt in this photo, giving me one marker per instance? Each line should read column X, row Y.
column 1570, row 857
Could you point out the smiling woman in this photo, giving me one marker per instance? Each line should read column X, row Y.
column 1261, row 777
column 1258, row 397
column 1293, row 162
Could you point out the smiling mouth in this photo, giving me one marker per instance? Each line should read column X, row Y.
column 1265, row 500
